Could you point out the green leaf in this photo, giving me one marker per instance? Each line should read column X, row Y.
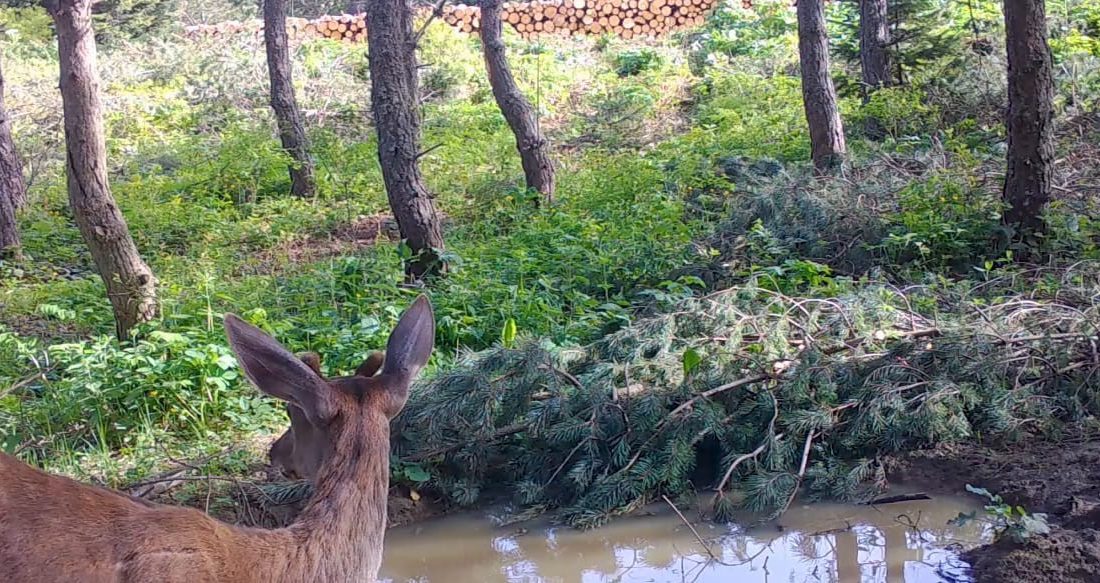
column 508, row 334
column 417, row 474
column 980, row 492
column 692, row 358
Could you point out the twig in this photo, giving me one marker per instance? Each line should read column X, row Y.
column 566, row 460
column 428, row 151
column 498, row 434
column 572, row 379
column 25, row 381
column 706, row 547
column 229, row 479
column 899, row 498
column 436, row 13
column 738, row 461
column 801, row 470
column 686, row 404
column 702, row 543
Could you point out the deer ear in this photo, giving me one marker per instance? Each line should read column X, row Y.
column 277, row 372
column 371, row 364
column 312, row 360
column 410, row 344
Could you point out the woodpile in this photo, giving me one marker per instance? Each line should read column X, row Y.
column 624, row 18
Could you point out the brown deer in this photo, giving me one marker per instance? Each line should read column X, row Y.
column 301, row 448
column 53, row 529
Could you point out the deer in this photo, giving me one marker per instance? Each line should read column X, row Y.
column 55, row 529
column 300, row 449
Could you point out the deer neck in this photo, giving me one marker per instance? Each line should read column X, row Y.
column 341, row 530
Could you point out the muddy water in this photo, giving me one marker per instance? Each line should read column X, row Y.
column 894, row 543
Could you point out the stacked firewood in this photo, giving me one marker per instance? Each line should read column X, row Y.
column 623, row 18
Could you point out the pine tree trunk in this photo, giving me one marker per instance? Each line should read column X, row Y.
column 1030, row 115
column 131, row 286
column 395, row 100
column 292, row 130
column 12, row 188
column 818, row 94
column 11, row 166
column 9, row 230
column 874, row 42
column 534, row 149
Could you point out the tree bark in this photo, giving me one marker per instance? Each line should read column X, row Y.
column 395, row 101
column 9, row 231
column 534, row 149
column 827, row 146
column 1030, row 122
column 874, row 43
column 292, row 130
column 13, row 190
column 131, row 286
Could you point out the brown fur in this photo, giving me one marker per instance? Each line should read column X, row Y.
column 300, row 450
column 54, row 529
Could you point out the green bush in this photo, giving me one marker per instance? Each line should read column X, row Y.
column 30, row 24
column 633, row 62
column 943, row 222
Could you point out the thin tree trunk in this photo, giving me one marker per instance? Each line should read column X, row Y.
column 534, row 149
column 818, row 93
column 9, row 231
column 874, row 43
column 1030, row 122
column 395, row 101
column 292, row 130
column 131, row 286
column 13, row 190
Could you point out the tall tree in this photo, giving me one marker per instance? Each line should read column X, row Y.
column 1030, row 115
column 13, row 190
column 292, row 130
column 818, row 93
column 11, row 166
column 874, row 45
column 534, row 149
column 395, row 101
column 131, row 286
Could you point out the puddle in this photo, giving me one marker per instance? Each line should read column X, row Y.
column 907, row 542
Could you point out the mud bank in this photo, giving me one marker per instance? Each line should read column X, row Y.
column 1059, row 477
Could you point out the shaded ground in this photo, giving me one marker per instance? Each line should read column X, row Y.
column 1058, row 477
column 345, row 239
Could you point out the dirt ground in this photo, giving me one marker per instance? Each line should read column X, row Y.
column 1058, row 477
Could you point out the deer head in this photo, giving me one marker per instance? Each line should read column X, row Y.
column 300, row 450
column 320, row 407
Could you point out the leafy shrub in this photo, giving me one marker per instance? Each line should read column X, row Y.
column 898, row 112
column 30, row 24
column 633, row 62
column 943, row 222
column 760, row 38
column 1012, row 522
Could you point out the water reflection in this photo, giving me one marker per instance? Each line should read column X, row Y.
column 897, row 543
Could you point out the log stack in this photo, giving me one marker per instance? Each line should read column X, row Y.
column 624, row 18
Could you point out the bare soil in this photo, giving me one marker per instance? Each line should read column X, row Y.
column 1058, row 477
